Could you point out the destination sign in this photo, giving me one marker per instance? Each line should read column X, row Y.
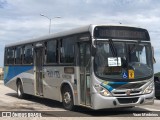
column 119, row 32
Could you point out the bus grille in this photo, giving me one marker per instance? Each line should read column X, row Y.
column 123, row 93
column 127, row 100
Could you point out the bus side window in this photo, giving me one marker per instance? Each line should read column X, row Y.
column 28, row 54
column 5, row 57
column 10, row 56
column 51, row 51
column 67, row 50
column 18, row 55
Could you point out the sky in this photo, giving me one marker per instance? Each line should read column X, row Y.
column 21, row 20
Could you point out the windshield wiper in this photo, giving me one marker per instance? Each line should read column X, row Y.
column 114, row 52
column 135, row 46
column 113, row 49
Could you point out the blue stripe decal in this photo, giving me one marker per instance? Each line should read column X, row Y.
column 108, row 87
column 12, row 71
column 119, row 83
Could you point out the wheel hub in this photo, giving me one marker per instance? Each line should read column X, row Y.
column 67, row 97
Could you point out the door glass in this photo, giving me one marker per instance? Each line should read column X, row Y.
column 82, row 73
column 39, row 74
column 85, row 73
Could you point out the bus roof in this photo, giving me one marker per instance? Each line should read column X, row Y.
column 53, row 35
column 61, row 34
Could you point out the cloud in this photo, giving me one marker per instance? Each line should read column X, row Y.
column 3, row 4
column 20, row 19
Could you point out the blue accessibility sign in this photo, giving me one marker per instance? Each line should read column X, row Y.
column 125, row 75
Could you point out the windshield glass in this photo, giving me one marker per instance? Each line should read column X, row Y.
column 123, row 60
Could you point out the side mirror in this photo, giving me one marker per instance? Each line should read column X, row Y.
column 154, row 60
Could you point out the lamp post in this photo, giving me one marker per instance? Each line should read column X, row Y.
column 50, row 20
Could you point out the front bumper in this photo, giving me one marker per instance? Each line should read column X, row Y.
column 101, row 102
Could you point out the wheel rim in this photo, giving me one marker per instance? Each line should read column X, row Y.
column 67, row 98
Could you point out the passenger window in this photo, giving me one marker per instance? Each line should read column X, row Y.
column 67, row 50
column 51, row 51
column 10, row 56
column 5, row 56
column 18, row 55
column 28, row 54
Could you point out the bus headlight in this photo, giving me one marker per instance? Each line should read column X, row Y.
column 101, row 90
column 149, row 89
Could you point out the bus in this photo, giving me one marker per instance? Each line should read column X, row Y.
column 95, row 66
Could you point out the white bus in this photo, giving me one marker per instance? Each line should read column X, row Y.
column 96, row 66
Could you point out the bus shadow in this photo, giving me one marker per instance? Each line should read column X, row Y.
column 82, row 111
column 12, row 94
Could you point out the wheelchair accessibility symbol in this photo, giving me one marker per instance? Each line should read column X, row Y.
column 125, row 75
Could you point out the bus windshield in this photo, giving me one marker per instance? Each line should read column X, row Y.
column 123, row 60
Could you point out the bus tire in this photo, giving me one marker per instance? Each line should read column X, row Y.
column 67, row 98
column 20, row 92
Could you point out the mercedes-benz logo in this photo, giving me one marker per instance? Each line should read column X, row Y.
column 128, row 92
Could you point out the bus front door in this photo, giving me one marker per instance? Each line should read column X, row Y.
column 39, row 71
column 85, row 62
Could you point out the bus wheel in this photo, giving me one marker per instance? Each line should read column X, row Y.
column 67, row 98
column 20, row 92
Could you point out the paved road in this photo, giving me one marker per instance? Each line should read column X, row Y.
column 10, row 102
